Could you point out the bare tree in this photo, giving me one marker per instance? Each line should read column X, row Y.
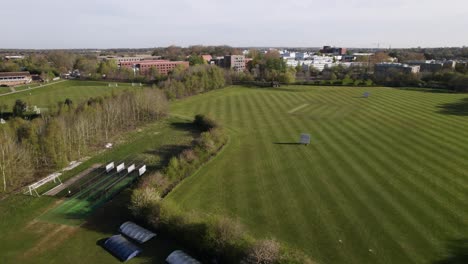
column 264, row 252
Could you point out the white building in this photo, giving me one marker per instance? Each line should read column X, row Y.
column 14, row 78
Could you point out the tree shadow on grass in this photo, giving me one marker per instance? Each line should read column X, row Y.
column 108, row 218
column 185, row 126
column 459, row 108
column 456, row 252
column 287, row 143
column 165, row 153
column 425, row 90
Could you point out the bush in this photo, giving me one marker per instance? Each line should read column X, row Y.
column 144, row 203
column 225, row 236
column 155, row 180
column 188, row 155
column 205, row 123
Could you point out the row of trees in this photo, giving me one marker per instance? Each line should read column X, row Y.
column 29, row 149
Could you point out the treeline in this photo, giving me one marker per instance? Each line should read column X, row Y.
column 197, row 79
column 180, row 53
column 446, row 79
column 214, row 238
column 29, row 149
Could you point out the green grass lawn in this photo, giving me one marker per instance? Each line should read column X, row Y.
column 40, row 230
column 4, row 90
column 49, row 95
column 385, row 179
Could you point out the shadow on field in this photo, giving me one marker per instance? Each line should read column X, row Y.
column 278, row 89
column 184, row 126
column 459, row 108
column 107, row 219
column 456, row 252
column 425, row 90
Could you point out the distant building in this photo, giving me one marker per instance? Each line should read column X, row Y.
column 14, row 57
column 383, row 69
column 432, row 66
column 162, row 66
column 207, row 58
column 333, row 50
column 136, row 58
column 15, row 78
column 236, row 62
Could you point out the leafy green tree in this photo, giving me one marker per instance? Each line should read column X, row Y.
column 19, row 108
column 7, row 66
column 61, row 60
column 196, row 60
column 86, row 65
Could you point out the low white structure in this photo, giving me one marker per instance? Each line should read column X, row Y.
column 121, row 167
column 109, row 167
column 142, row 170
column 55, row 177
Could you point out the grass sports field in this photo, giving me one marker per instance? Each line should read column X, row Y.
column 385, row 179
column 49, row 95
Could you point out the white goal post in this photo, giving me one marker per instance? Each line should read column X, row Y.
column 55, row 177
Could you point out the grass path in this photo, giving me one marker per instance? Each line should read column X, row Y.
column 385, row 175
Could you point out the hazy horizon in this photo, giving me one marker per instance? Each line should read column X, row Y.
column 51, row 24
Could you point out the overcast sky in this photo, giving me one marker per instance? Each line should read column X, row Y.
column 154, row 23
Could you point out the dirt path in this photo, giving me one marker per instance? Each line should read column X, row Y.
column 71, row 181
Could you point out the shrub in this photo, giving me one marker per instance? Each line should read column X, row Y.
column 264, row 252
column 206, row 143
column 155, row 180
column 188, row 155
column 225, row 236
column 144, row 203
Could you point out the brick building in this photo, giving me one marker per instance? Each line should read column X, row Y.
column 162, row 66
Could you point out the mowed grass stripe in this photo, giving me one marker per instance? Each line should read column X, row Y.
column 316, row 209
column 411, row 138
column 413, row 141
column 426, row 154
column 357, row 206
column 405, row 218
column 364, row 191
column 383, row 187
column 289, row 182
column 274, row 190
column 407, row 186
